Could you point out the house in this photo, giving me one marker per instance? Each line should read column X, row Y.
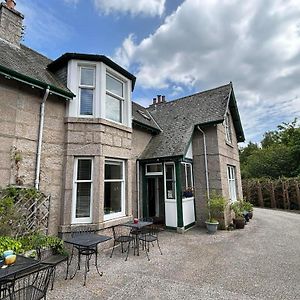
column 101, row 156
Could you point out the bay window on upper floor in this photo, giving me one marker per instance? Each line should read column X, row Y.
column 101, row 92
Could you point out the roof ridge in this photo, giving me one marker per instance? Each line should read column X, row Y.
column 40, row 54
column 198, row 93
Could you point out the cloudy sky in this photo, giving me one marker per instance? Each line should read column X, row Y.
column 178, row 47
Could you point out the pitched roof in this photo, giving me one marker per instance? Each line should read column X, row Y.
column 179, row 117
column 27, row 65
column 142, row 117
column 62, row 60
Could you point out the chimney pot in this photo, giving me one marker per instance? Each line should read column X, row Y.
column 154, row 101
column 163, row 100
column 10, row 4
column 158, row 98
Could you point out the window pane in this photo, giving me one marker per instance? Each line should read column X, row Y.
column 112, row 197
column 170, row 185
column 114, row 86
column 156, row 168
column 113, row 170
column 189, row 175
column 87, row 76
column 113, row 109
column 84, row 169
column 83, row 200
column 86, row 101
column 169, row 171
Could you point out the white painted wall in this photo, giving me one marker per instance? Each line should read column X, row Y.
column 189, row 153
column 188, row 210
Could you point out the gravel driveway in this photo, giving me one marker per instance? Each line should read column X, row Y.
column 260, row 262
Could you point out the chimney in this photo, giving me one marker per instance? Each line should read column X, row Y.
column 10, row 23
column 158, row 100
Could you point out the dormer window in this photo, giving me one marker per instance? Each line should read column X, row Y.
column 114, row 99
column 228, row 134
column 87, row 90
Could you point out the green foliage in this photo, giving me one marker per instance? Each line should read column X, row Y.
column 12, row 218
column 278, row 156
column 247, row 206
column 8, row 243
column 216, row 205
column 238, row 209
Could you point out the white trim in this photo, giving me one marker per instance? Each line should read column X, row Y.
column 231, row 176
column 76, row 220
column 165, row 181
column 154, row 173
column 123, row 181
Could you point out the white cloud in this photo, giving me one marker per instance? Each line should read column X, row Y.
column 206, row 43
column 134, row 7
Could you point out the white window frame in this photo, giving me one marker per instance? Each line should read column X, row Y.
column 154, row 173
column 174, row 179
column 121, row 99
column 76, row 220
column 123, row 181
column 231, row 175
column 185, row 173
column 87, row 87
column 227, row 126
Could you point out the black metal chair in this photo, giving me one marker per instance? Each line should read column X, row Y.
column 149, row 235
column 83, row 250
column 122, row 236
column 48, row 257
column 30, row 285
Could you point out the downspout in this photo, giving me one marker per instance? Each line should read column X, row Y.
column 205, row 163
column 138, row 187
column 40, row 140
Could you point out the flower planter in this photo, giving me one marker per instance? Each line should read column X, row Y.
column 250, row 214
column 239, row 223
column 212, row 227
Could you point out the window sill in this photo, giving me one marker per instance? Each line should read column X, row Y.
column 229, row 144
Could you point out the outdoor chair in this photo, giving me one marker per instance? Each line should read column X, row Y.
column 82, row 250
column 149, row 235
column 48, row 257
column 29, row 285
column 121, row 236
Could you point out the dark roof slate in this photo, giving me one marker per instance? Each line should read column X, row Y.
column 142, row 117
column 178, row 119
column 27, row 62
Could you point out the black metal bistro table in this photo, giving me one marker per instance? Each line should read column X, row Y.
column 21, row 265
column 86, row 244
column 138, row 228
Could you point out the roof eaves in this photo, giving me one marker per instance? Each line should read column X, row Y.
column 62, row 60
column 34, row 82
column 142, row 125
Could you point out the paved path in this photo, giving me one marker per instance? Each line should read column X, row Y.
column 260, row 262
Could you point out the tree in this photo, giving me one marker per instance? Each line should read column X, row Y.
column 279, row 154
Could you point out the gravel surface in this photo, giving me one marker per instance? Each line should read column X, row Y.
column 261, row 261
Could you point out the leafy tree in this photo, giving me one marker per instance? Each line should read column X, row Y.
column 279, row 154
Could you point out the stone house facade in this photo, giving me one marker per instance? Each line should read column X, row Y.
column 104, row 158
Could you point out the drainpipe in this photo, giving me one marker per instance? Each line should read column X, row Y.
column 138, row 187
column 40, row 140
column 205, row 163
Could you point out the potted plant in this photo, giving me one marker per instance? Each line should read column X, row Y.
column 248, row 208
column 239, row 220
column 188, row 192
column 215, row 205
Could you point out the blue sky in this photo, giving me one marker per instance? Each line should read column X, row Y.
column 178, row 47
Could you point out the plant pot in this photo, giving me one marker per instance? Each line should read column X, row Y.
column 212, row 227
column 239, row 223
column 250, row 214
column 246, row 216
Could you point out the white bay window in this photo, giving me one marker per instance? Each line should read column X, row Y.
column 82, row 190
column 114, row 189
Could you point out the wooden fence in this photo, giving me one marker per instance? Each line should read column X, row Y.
column 281, row 193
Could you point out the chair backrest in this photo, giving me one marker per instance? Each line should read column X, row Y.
column 120, row 230
column 29, row 285
column 81, row 230
column 146, row 219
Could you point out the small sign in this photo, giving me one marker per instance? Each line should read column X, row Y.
column 170, row 194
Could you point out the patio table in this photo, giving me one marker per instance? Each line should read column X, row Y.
column 21, row 265
column 86, row 244
column 138, row 227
